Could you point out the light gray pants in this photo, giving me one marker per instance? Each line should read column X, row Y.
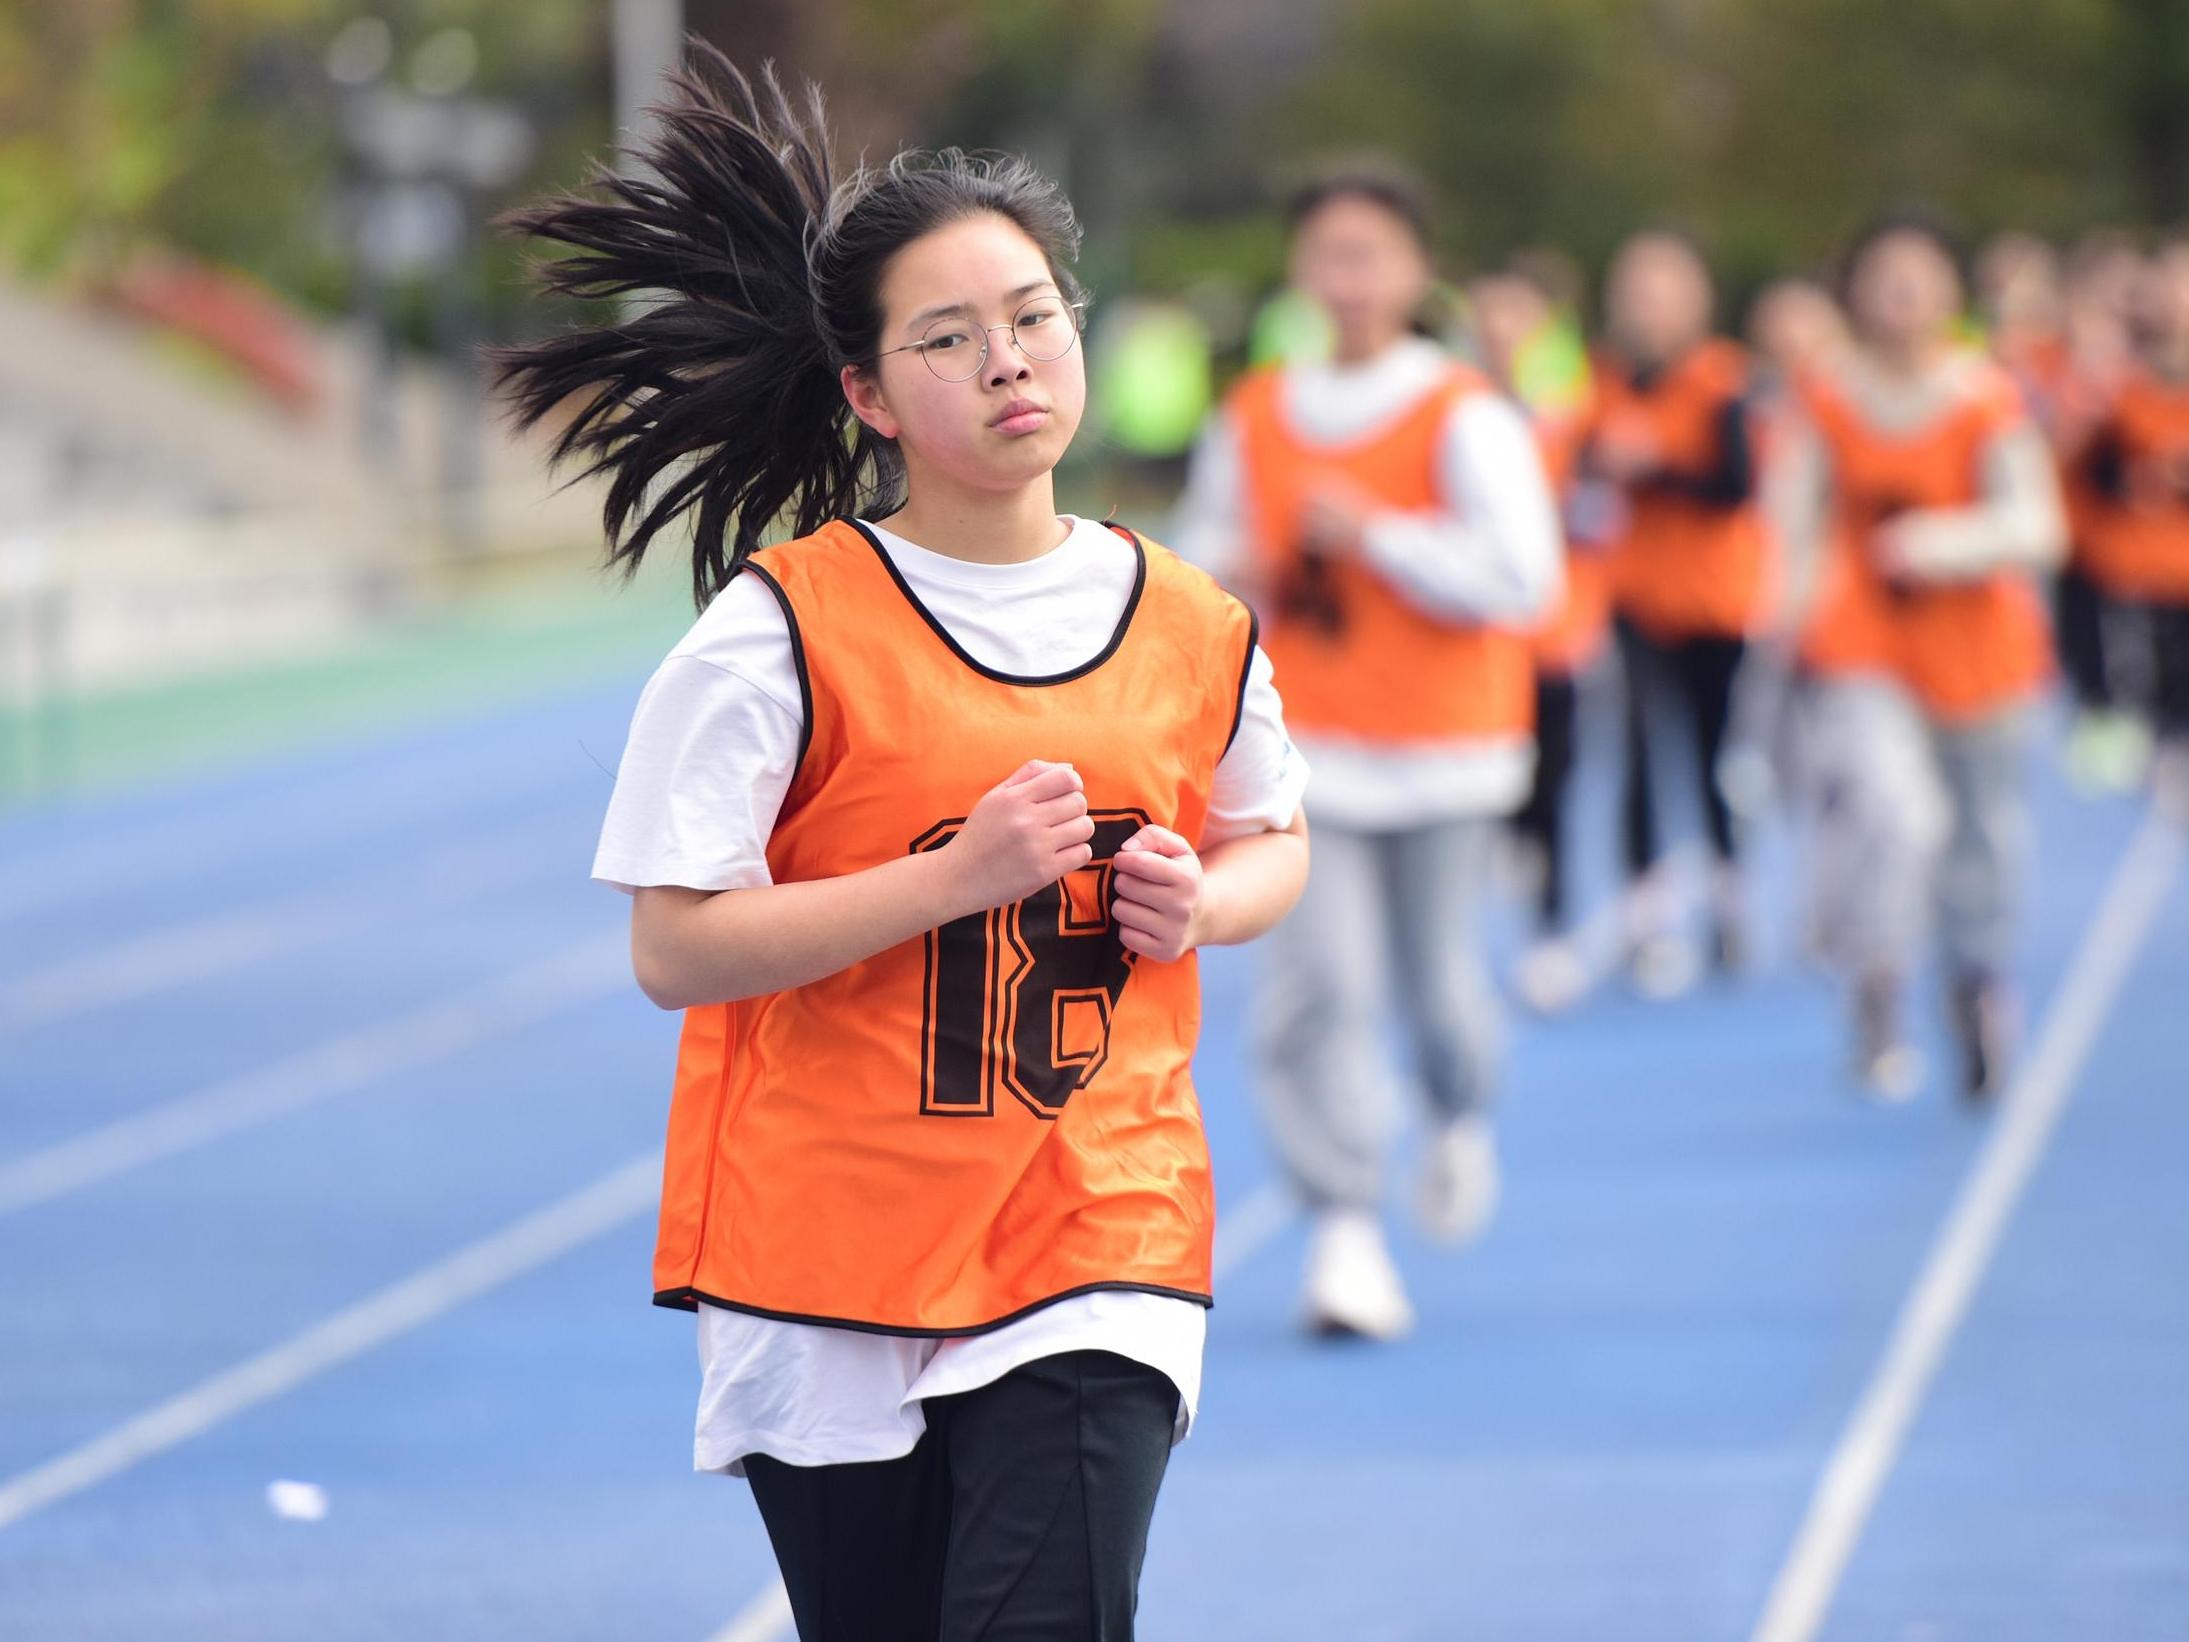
column 1913, row 821
column 1386, row 918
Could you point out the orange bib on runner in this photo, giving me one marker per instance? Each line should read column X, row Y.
column 1964, row 648
column 999, row 1113
column 1353, row 655
column 1573, row 636
column 1684, row 568
column 2139, row 545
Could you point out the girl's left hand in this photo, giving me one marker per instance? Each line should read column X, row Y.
column 1157, row 897
column 1334, row 516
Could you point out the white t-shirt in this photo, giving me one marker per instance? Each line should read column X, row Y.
column 1492, row 553
column 712, row 747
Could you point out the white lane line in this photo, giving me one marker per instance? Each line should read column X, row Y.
column 766, row 1617
column 1268, row 1209
column 578, row 974
column 241, row 827
column 1240, row 1234
column 1855, row 1474
column 164, row 958
column 519, row 1248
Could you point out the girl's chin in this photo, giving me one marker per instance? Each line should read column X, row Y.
column 1006, row 464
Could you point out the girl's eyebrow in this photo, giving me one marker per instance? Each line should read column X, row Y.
column 927, row 316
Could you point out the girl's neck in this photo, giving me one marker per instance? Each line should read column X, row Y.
column 1350, row 352
column 1912, row 360
column 984, row 527
column 1657, row 352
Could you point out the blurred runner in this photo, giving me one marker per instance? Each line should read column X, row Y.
column 1386, row 512
column 2108, row 747
column 2139, row 463
column 1795, row 329
column 1511, row 316
column 1931, row 507
column 1689, row 570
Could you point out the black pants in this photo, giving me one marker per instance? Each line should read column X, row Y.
column 1693, row 677
column 2078, row 625
column 2169, row 628
column 1020, row 1516
column 1542, row 820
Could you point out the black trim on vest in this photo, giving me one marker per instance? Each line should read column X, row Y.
column 688, row 1299
column 1140, row 583
column 797, row 655
column 1246, row 669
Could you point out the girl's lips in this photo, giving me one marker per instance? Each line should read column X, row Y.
column 1022, row 416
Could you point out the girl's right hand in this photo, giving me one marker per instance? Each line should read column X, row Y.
column 1028, row 831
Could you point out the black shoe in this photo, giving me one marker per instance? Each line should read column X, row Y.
column 1729, row 946
column 1983, row 1027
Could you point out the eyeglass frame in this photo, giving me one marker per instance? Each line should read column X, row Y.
column 1076, row 305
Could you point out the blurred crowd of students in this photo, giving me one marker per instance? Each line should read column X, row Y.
column 1831, row 567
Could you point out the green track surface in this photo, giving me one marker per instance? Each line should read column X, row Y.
column 466, row 649
column 488, row 633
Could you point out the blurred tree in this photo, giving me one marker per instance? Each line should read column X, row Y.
column 208, row 124
column 1769, row 126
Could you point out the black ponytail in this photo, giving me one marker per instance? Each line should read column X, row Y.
column 721, row 398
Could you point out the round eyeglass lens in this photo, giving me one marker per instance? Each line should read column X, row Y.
column 1044, row 328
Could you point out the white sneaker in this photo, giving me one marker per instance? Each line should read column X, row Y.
column 1551, row 977
column 1891, row 1077
column 1664, row 966
column 1458, row 1191
column 1351, row 1286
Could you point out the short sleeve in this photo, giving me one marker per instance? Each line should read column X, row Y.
column 713, row 745
column 1261, row 777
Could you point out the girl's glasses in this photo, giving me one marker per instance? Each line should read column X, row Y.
column 956, row 349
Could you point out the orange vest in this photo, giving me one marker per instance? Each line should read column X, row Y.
column 1574, row 634
column 1964, row 648
column 1000, row 1113
column 1353, row 655
column 2073, row 399
column 1684, row 568
column 2139, row 545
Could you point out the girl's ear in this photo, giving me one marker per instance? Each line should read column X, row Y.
column 864, row 394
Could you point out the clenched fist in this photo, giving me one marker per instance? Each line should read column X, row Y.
column 1028, row 831
column 1157, row 894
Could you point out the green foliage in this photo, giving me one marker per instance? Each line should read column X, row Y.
column 1767, row 126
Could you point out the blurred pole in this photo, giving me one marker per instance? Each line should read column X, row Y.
column 648, row 39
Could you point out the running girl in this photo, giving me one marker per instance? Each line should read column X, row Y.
column 1388, row 511
column 1670, row 428
column 1508, row 316
column 923, row 819
column 2139, row 463
column 1932, row 509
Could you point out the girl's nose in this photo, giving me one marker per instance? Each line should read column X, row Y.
column 1006, row 363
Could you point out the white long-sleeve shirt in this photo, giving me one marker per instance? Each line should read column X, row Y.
column 2017, row 521
column 1491, row 553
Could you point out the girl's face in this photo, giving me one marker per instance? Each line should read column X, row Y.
column 1905, row 292
column 1361, row 263
column 1507, row 313
column 1657, row 297
column 1795, row 325
column 1005, row 425
column 2162, row 308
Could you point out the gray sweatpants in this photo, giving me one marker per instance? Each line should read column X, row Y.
column 1387, row 918
column 1913, row 821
